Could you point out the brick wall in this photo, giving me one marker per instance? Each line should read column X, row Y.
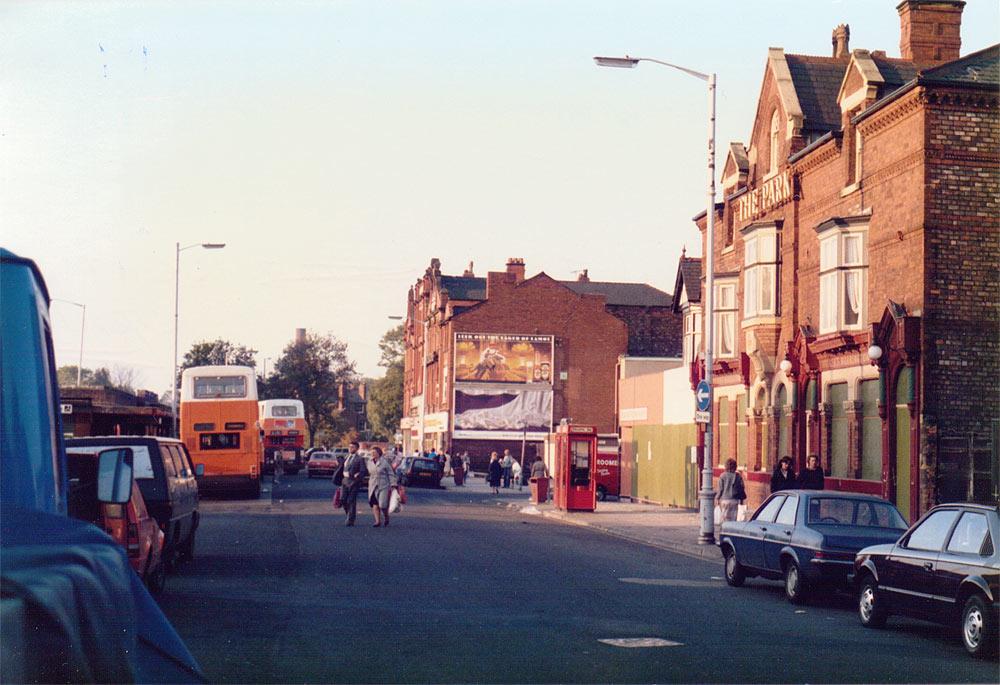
column 652, row 331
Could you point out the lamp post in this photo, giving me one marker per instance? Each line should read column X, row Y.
column 706, row 495
column 264, row 374
column 177, row 299
column 83, row 319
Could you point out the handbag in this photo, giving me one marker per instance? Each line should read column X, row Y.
column 741, row 512
column 338, row 498
column 394, row 504
column 718, row 515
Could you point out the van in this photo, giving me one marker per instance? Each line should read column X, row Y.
column 166, row 478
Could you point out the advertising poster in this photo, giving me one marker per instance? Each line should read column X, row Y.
column 502, row 413
column 489, row 358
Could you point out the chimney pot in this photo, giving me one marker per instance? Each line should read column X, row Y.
column 583, row 277
column 515, row 268
column 841, row 41
column 469, row 273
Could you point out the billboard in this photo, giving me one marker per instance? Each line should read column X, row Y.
column 499, row 358
column 509, row 413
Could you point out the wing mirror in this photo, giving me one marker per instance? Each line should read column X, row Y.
column 114, row 475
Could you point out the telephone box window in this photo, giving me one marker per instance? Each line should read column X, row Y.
column 581, row 462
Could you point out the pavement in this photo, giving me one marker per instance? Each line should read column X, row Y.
column 667, row 528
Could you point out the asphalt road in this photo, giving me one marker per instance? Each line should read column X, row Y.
column 459, row 589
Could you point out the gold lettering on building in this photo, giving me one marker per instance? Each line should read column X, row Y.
column 765, row 197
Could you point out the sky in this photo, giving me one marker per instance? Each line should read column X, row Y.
column 336, row 147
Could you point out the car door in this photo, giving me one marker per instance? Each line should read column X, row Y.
column 751, row 550
column 780, row 533
column 967, row 547
column 187, row 489
column 909, row 573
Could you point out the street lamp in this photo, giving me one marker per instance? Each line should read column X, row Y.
column 264, row 375
column 177, row 299
column 706, row 495
column 83, row 319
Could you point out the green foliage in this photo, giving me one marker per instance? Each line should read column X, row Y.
column 217, row 352
column 392, row 347
column 67, row 376
column 385, row 403
column 313, row 371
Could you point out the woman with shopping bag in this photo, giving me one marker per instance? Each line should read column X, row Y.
column 381, row 482
column 730, row 493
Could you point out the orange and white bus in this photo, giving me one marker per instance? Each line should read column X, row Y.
column 283, row 424
column 220, row 429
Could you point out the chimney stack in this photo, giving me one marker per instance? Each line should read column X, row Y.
column 300, row 336
column 930, row 30
column 841, row 41
column 515, row 268
column 469, row 273
column 583, row 277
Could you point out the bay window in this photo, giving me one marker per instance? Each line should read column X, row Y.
column 692, row 334
column 760, row 273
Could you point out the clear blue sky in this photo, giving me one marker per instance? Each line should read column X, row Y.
column 338, row 146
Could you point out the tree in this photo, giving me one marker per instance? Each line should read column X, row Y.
column 385, row 403
column 313, row 371
column 217, row 352
column 66, row 376
column 125, row 378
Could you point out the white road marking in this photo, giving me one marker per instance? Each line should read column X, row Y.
column 671, row 582
column 633, row 642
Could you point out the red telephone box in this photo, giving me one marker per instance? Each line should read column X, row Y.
column 575, row 482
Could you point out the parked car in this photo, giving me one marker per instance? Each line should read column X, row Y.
column 321, row 464
column 945, row 569
column 129, row 524
column 808, row 538
column 166, row 478
column 402, row 466
column 422, row 471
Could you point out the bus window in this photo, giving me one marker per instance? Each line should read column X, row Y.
column 213, row 387
column 284, row 410
column 219, row 441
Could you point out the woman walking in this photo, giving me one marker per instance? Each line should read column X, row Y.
column 381, row 480
column 494, row 473
column 730, row 492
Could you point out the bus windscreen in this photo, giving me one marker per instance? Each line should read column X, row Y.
column 213, row 387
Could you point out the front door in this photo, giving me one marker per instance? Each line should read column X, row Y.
column 902, row 456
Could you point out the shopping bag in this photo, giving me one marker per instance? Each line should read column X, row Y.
column 718, row 515
column 394, row 504
column 338, row 498
column 741, row 512
column 402, row 494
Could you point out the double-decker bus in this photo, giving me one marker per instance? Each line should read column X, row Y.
column 220, row 429
column 284, row 427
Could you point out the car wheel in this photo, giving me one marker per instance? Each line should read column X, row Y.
column 871, row 607
column 979, row 630
column 795, row 585
column 735, row 575
column 602, row 493
column 157, row 580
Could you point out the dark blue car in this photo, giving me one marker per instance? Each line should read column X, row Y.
column 808, row 538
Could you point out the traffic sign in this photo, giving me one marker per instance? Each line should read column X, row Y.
column 702, row 417
column 703, row 395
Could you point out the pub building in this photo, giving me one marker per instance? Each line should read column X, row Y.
column 856, row 252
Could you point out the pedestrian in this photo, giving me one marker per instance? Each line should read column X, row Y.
column 353, row 473
column 783, row 477
column 508, row 468
column 516, row 470
column 539, row 469
column 811, row 478
column 731, row 493
column 381, row 480
column 277, row 467
column 495, row 470
column 458, row 469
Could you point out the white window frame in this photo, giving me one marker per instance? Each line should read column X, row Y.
column 725, row 308
column 692, row 334
column 843, row 306
column 761, row 268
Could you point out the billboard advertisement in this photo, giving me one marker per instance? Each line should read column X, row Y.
column 499, row 358
column 509, row 413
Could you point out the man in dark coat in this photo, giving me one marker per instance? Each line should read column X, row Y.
column 811, row 478
column 783, row 477
column 354, row 472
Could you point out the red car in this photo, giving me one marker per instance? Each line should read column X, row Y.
column 322, row 464
column 129, row 524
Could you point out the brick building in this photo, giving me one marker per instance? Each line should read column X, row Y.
column 858, row 239
column 103, row 410
column 507, row 356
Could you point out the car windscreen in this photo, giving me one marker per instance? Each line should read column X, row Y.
column 425, row 464
column 853, row 512
column 142, row 467
column 320, row 455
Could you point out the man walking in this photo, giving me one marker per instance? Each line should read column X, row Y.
column 507, row 464
column 277, row 467
column 354, row 470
